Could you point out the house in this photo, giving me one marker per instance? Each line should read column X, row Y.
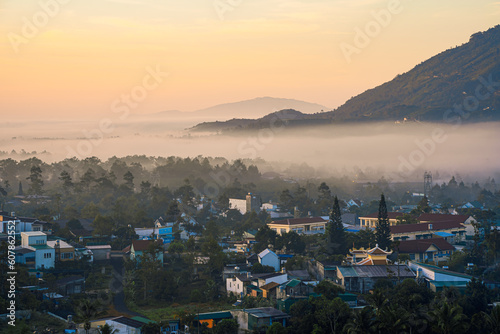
column 350, row 219
column 354, row 203
column 249, row 236
column 371, row 220
column 23, row 224
column 70, row 285
column 263, row 279
column 362, row 279
column 295, row 288
column 269, row 258
column 437, row 278
column 237, row 284
column 121, row 325
column 465, row 220
column 427, row 230
column 44, row 257
column 234, row 269
column 269, row 207
column 326, row 269
column 311, row 225
column 158, row 232
column 269, row 290
column 250, row 203
column 253, row 319
column 125, row 325
column 211, row 318
column 472, row 205
column 138, row 247
column 25, row 256
column 63, row 251
column 435, row 249
column 100, row 252
column 368, row 257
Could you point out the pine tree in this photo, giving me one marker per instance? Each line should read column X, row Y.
column 36, row 186
column 383, row 231
column 20, row 192
column 337, row 243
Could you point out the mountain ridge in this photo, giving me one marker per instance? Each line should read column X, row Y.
column 439, row 89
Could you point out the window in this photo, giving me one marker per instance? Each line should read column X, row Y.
column 67, row 255
column 47, row 255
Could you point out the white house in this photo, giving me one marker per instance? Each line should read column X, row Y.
column 263, row 279
column 236, row 285
column 269, row 258
column 238, row 204
column 44, row 254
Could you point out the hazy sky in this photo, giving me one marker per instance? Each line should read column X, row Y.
column 76, row 58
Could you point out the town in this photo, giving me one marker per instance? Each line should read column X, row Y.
column 134, row 245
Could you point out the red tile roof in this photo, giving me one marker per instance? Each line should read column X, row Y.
column 421, row 246
column 270, row 286
column 298, row 221
column 141, row 245
column 436, row 226
column 390, row 215
column 438, row 217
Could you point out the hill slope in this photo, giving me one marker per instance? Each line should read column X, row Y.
column 434, row 86
column 425, row 93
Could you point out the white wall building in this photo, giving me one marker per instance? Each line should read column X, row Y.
column 44, row 254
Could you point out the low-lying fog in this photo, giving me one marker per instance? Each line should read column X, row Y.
column 398, row 151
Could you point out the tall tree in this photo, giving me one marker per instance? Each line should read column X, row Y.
column 337, row 241
column 383, row 230
column 128, row 177
column 36, row 186
column 66, row 180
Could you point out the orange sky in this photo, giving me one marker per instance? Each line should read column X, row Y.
column 82, row 56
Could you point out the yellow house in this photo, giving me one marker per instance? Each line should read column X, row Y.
column 63, row 251
column 372, row 219
column 368, row 257
column 312, row 225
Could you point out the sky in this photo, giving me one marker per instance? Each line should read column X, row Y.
column 84, row 59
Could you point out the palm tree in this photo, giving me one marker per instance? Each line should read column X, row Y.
column 86, row 310
column 394, row 320
column 492, row 320
column 362, row 322
column 107, row 329
column 378, row 300
column 446, row 319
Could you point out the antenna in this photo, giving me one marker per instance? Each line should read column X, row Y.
column 427, row 184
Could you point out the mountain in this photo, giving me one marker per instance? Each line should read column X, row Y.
column 254, row 108
column 259, row 107
column 425, row 93
column 431, row 88
column 290, row 117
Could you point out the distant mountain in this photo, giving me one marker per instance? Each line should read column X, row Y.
column 288, row 117
column 254, row 108
column 425, row 93
column 259, row 107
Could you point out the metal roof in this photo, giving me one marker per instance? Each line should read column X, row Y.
column 266, row 312
column 214, row 315
column 376, row 271
column 128, row 322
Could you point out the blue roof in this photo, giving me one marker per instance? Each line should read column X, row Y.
column 285, row 256
column 444, row 234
